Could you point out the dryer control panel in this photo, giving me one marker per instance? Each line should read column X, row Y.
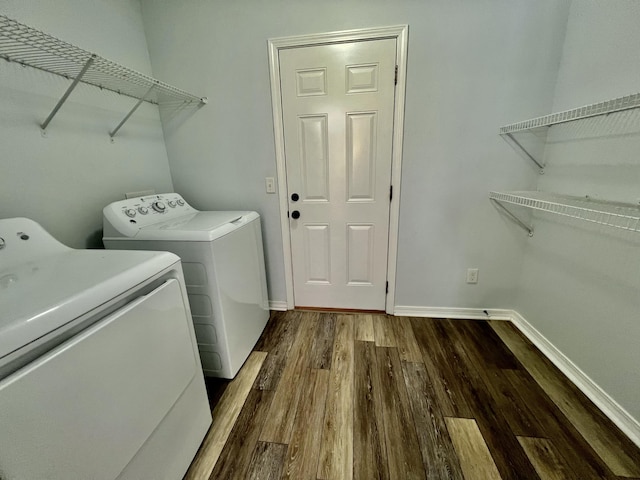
column 127, row 217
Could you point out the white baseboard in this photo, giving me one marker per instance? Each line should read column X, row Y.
column 618, row 415
column 454, row 313
column 277, row 305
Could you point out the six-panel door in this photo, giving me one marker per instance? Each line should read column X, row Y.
column 338, row 103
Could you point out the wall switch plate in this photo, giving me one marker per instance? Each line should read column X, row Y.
column 472, row 275
column 270, row 183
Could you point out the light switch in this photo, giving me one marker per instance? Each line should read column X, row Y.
column 270, row 183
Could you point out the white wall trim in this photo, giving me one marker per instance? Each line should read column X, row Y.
column 400, row 33
column 453, row 313
column 618, row 415
column 278, row 305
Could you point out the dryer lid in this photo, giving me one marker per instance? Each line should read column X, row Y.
column 40, row 293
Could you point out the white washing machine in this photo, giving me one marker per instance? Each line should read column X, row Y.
column 223, row 262
column 99, row 372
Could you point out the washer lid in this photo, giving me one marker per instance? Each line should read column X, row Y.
column 197, row 227
column 40, row 295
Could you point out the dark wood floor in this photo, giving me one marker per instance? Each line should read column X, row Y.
column 333, row 396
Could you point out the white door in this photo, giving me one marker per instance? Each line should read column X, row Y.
column 338, row 104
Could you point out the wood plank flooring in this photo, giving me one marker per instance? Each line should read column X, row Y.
column 367, row 396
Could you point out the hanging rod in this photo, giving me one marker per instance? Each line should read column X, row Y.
column 602, row 108
column 623, row 216
column 30, row 47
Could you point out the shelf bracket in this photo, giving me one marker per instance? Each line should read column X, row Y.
column 513, row 217
column 135, row 107
column 68, row 92
column 524, row 150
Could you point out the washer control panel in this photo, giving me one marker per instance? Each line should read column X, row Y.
column 135, row 213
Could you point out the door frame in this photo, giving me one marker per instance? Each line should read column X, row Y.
column 398, row 32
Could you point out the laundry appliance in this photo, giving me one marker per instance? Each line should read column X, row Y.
column 99, row 372
column 223, row 262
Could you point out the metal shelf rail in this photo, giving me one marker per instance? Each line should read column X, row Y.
column 30, row 47
column 602, row 108
column 612, row 214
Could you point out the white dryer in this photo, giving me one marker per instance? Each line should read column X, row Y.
column 223, row 262
column 99, row 372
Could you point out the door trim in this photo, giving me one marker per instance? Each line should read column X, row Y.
column 400, row 33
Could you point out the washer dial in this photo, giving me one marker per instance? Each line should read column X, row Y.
column 143, row 210
column 130, row 212
column 180, row 202
column 172, row 203
column 159, row 207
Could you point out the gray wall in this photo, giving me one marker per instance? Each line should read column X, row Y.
column 63, row 181
column 473, row 66
column 581, row 284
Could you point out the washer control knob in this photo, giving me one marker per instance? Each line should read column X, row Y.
column 172, row 203
column 159, row 207
column 130, row 212
column 180, row 202
column 143, row 210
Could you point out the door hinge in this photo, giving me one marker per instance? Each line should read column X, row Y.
column 390, row 192
column 395, row 79
column 387, row 288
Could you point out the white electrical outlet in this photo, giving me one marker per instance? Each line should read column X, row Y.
column 270, row 183
column 472, row 275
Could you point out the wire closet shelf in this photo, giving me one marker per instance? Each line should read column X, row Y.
column 30, row 47
column 611, row 214
column 602, row 108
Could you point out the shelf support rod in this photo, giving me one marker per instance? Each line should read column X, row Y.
column 513, row 217
column 68, row 92
column 523, row 150
column 142, row 99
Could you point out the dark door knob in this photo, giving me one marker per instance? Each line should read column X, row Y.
column 295, row 197
column 295, row 214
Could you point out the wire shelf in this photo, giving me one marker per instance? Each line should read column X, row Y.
column 617, row 215
column 609, row 106
column 28, row 46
